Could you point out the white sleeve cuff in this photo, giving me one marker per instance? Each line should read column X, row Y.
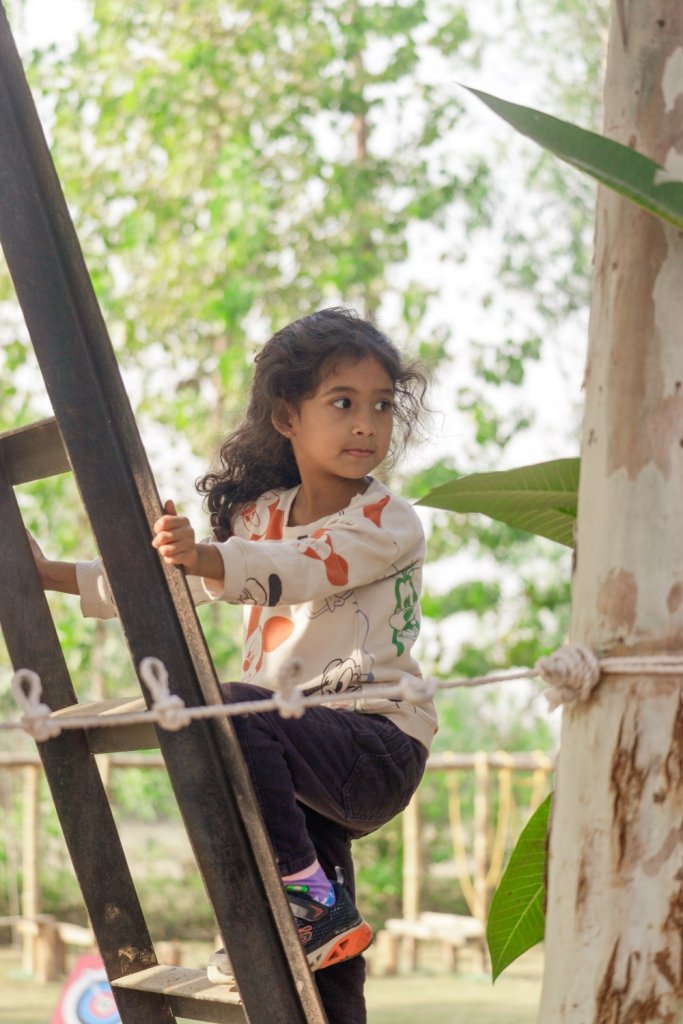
column 97, row 601
column 234, row 574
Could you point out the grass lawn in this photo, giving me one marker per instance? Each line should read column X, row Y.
column 457, row 998
column 420, row 998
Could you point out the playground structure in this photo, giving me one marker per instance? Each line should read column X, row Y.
column 478, row 856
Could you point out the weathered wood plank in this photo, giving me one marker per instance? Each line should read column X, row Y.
column 33, row 452
column 112, row 738
column 189, row 993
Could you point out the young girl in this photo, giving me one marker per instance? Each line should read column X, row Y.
column 328, row 564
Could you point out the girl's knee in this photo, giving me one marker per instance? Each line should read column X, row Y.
column 237, row 693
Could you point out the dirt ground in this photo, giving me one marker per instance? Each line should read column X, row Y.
column 424, row 996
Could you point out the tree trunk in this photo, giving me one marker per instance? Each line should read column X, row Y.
column 614, row 936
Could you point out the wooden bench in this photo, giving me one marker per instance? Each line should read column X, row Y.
column 50, row 940
column 400, row 939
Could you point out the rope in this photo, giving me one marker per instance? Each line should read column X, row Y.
column 572, row 673
column 289, row 699
column 27, row 691
column 170, row 712
column 170, row 709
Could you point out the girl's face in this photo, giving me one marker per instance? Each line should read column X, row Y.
column 344, row 430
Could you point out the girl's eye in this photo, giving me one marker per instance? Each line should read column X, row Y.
column 383, row 405
column 342, row 403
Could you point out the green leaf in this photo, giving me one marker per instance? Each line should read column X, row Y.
column 619, row 167
column 541, row 499
column 516, row 920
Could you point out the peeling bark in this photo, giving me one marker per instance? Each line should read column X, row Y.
column 617, row 600
column 627, row 783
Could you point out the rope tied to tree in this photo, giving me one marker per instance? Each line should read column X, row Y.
column 572, row 673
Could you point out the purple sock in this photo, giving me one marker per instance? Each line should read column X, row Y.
column 316, row 885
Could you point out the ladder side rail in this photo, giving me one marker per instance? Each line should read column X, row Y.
column 205, row 765
column 72, row 774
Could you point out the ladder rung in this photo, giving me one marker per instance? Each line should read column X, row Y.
column 189, row 992
column 33, row 452
column 112, row 738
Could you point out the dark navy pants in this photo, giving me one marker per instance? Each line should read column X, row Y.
column 321, row 781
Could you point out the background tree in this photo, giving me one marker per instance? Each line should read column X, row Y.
column 613, row 936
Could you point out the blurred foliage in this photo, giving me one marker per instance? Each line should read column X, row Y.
column 228, row 169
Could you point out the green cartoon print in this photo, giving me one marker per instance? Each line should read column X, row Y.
column 405, row 622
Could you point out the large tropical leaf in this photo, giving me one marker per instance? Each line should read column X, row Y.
column 619, row 167
column 516, row 920
column 540, row 499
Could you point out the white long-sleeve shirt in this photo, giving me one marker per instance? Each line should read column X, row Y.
column 340, row 594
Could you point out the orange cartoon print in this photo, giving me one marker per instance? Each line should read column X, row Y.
column 260, row 526
column 319, row 546
column 374, row 512
column 262, row 639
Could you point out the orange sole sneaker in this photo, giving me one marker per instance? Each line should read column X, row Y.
column 342, row 948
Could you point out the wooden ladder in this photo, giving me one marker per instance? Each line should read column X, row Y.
column 95, row 436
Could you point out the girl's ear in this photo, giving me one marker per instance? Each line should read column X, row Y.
column 281, row 419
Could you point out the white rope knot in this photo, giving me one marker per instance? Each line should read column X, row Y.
column 572, row 673
column 27, row 690
column 417, row 689
column 288, row 697
column 170, row 708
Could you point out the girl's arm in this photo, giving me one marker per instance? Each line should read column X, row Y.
column 60, row 576
column 364, row 544
column 89, row 580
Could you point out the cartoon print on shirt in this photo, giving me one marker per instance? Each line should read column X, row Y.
column 328, row 604
column 260, row 640
column 338, row 676
column 374, row 511
column 405, row 622
column 253, row 592
column 319, row 546
column 343, row 674
column 260, row 527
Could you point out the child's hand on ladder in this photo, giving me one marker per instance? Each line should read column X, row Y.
column 174, row 539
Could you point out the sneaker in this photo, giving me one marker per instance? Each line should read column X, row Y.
column 329, row 935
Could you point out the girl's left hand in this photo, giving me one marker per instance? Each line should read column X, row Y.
column 175, row 541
